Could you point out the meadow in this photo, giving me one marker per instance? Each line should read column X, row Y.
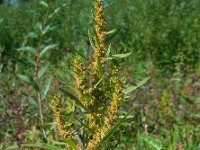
column 93, row 74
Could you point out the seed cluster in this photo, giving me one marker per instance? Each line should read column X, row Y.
column 100, row 50
column 63, row 128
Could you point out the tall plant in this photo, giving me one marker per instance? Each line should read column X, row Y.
column 35, row 49
column 100, row 90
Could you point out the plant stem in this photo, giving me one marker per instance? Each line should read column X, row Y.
column 37, row 60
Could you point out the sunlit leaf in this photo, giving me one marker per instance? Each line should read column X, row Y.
column 116, row 56
column 111, row 35
column 43, row 3
column 47, row 48
column 111, row 31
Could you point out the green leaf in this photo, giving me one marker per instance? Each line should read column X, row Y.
column 98, row 82
column 111, row 31
column 116, row 56
column 77, row 101
column 46, row 29
column 55, row 12
column 43, row 70
column 134, row 87
column 115, row 127
column 32, row 102
column 24, row 78
column 49, row 47
column 42, row 3
column 108, row 51
column 46, row 89
column 32, row 35
column 112, row 35
column 90, row 39
column 27, row 48
column 43, row 145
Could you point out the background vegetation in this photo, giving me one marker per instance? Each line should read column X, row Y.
column 163, row 37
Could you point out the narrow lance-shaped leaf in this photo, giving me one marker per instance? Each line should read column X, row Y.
column 134, row 87
column 44, row 4
column 116, row 56
column 111, row 35
column 111, row 31
column 47, row 48
column 90, row 39
column 108, row 51
column 23, row 77
column 46, row 89
column 98, row 82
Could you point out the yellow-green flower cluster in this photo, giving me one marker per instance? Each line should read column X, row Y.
column 100, row 28
column 63, row 128
column 81, row 80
